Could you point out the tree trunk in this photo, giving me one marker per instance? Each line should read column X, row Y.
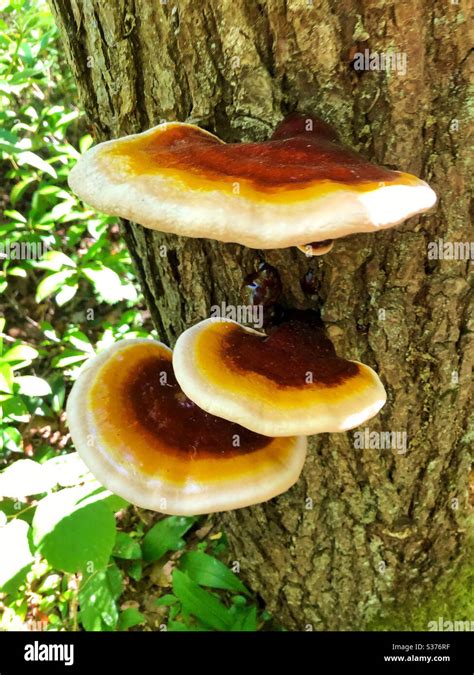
column 363, row 528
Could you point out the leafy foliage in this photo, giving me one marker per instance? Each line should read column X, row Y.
column 166, row 536
column 74, row 556
column 73, row 532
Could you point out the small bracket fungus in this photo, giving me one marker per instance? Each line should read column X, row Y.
column 317, row 247
column 146, row 441
column 300, row 186
column 289, row 382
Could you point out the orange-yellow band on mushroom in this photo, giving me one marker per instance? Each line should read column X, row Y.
column 147, row 442
column 289, row 382
column 300, row 186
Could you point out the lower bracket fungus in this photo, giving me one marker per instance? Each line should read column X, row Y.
column 146, row 441
column 288, row 382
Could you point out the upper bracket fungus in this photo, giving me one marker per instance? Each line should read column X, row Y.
column 146, row 441
column 288, row 382
column 300, row 186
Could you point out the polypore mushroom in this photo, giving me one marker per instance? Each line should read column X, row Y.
column 300, row 186
column 146, row 441
column 317, row 247
column 290, row 381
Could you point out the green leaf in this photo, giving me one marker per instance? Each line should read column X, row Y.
column 24, row 478
column 130, row 617
column 58, row 388
column 200, row 603
column 115, row 580
column 80, row 341
column 126, row 547
column 16, row 557
column 246, row 619
column 97, row 599
column 14, row 408
column 67, row 118
column 166, row 600
column 97, row 492
column 74, row 534
column 21, row 353
column 11, row 439
column 54, row 261
column 85, row 143
column 114, row 502
column 106, row 282
column 6, row 135
column 165, row 535
column 52, row 283
column 15, row 215
column 13, row 508
column 6, row 378
column 67, row 292
column 66, row 470
column 135, row 570
column 30, row 385
column 19, row 189
column 208, row 571
column 49, row 331
column 68, row 358
column 36, row 161
column 17, row 272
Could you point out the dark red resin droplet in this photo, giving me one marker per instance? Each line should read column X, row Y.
column 262, row 287
column 309, row 283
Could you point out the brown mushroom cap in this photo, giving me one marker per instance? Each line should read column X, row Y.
column 300, row 186
column 147, row 442
column 289, row 382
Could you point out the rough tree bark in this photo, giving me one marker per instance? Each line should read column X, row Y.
column 362, row 528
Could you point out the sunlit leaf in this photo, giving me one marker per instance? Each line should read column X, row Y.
column 97, row 598
column 36, row 161
column 72, row 533
column 52, row 283
column 16, row 557
column 66, row 294
column 30, row 385
column 21, row 353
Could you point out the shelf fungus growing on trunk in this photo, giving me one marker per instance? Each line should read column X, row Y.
column 317, row 247
column 287, row 382
column 300, row 187
column 146, row 441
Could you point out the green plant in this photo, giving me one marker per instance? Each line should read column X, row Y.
column 64, row 524
column 74, row 556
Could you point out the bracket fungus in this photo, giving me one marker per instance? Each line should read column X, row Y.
column 300, row 186
column 317, row 247
column 287, row 382
column 146, row 441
